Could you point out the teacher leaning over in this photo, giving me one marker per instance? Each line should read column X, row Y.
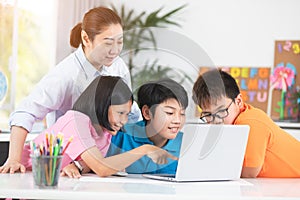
column 99, row 41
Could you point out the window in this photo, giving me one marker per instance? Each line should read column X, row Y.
column 27, row 49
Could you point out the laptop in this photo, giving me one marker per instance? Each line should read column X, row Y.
column 209, row 153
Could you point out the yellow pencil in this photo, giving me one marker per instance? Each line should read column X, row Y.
column 51, row 145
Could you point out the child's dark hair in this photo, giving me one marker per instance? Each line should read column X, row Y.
column 156, row 92
column 103, row 92
column 214, row 85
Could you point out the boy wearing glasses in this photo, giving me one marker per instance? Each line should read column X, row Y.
column 271, row 152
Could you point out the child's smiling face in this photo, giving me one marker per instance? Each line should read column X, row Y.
column 167, row 121
column 118, row 116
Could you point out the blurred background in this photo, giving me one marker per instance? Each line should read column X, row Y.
column 188, row 34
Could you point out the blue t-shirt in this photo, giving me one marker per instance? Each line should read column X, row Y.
column 135, row 136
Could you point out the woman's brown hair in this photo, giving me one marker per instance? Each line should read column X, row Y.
column 94, row 22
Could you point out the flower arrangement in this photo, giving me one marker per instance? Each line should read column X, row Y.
column 282, row 78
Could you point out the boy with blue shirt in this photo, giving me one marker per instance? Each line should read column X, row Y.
column 163, row 105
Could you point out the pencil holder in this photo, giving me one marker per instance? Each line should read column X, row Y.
column 46, row 170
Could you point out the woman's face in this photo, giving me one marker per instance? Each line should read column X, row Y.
column 105, row 47
column 118, row 116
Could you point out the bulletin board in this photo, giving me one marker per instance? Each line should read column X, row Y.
column 253, row 83
column 285, row 81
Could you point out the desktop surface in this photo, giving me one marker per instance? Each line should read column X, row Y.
column 136, row 187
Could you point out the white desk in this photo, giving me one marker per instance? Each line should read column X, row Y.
column 136, row 187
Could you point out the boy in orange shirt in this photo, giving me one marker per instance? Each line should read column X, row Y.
column 271, row 152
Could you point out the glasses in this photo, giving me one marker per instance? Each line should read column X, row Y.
column 221, row 114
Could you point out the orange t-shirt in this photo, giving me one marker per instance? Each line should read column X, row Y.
column 269, row 146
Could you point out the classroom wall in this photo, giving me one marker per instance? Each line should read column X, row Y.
column 233, row 32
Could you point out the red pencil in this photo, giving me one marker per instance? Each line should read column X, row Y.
column 69, row 141
column 47, row 140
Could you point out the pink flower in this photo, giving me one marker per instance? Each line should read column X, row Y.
column 282, row 77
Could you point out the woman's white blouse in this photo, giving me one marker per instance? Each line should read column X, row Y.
column 58, row 90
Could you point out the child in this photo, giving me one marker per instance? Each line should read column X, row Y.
column 163, row 105
column 100, row 112
column 271, row 152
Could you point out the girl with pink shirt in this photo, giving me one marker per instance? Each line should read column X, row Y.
column 100, row 112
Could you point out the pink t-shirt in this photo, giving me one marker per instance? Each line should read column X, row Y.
column 79, row 126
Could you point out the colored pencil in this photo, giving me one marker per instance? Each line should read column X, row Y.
column 69, row 141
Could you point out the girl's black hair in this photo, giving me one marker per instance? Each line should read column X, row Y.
column 103, row 92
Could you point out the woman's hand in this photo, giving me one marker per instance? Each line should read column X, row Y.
column 17, row 140
column 158, row 155
column 12, row 166
column 71, row 171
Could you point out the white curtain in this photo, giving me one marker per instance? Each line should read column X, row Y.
column 69, row 13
